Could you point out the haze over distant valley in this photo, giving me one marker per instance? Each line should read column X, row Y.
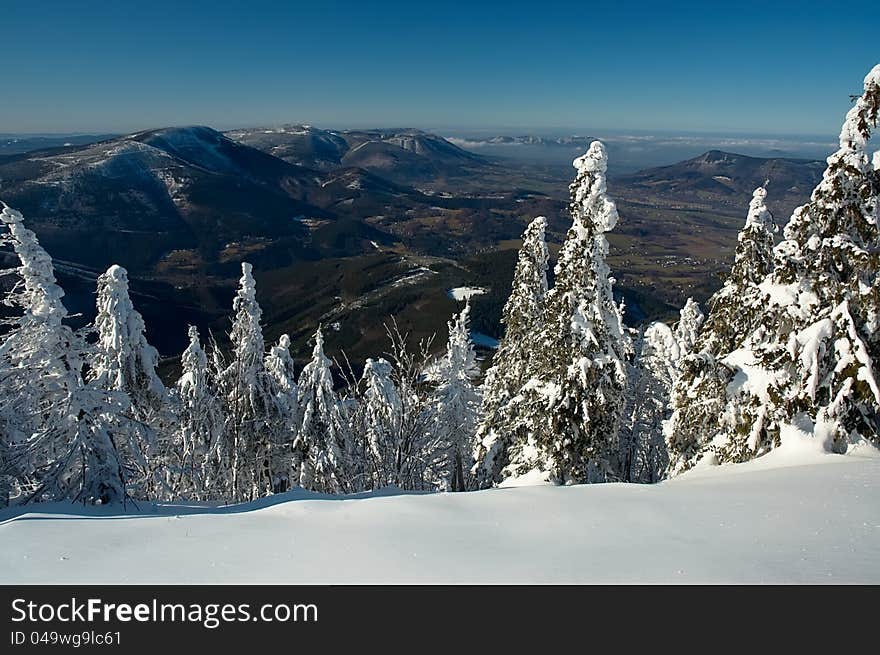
column 631, row 151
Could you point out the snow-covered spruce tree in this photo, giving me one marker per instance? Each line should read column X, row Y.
column 455, row 404
column 252, row 415
column 522, row 318
column 810, row 368
column 279, row 364
column 57, row 431
column 573, row 404
column 642, row 459
column 123, row 361
column 319, row 448
column 660, row 354
column 687, row 331
column 382, row 415
column 699, row 397
column 825, row 307
column 217, row 466
column 737, row 309
column 199, row 421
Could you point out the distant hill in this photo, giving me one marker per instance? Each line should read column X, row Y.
column 358, row 191
column 405, row 156
column 527, row 140
column 136, row 198
column 723, row 176
column 679, row 223
column 296, row 144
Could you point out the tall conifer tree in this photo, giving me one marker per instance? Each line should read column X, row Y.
column 511, row 363
column 808, row 367
column 574, row 402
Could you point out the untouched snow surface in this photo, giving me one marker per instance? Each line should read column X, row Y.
column 794, row 516
column 463, row 293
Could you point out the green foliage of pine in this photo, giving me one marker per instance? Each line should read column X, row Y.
column 513, row 364
column 791, row 345
column 570, row 409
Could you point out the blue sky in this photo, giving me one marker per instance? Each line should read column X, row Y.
column 768, row 68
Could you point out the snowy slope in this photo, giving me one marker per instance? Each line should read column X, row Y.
column 788, row 517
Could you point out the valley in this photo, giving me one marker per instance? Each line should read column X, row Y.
column 349, row 228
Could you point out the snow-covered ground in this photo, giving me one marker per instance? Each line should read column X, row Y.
column 463, row 293
column 791, row 517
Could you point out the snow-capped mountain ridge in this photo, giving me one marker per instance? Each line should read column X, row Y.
column 403, row 154
column 175, row 193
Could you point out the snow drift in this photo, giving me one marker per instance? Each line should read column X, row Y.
column 793, row 516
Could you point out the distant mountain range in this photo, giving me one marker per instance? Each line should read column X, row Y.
column 629, row 153
column 526, row 140
column 143, row 196
column 405, row 156
column 182, row 207
column 349, row 227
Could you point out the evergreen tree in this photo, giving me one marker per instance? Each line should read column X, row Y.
column 573, row 405
column 252, row 413
column 522, row 318
column 808, row 366
column 661, row 354
column 699, row 398
column 455, row 404
column 57, row 431
column 217, row 466
column 383, row 412
column 826, row 345
column 124, row 362
column 319, row 448
column 737, row 309
column 687, row 331
column 643, row 452
column 280, row 366
column 200, row 420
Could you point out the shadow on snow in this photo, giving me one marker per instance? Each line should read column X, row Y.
column 140, row 509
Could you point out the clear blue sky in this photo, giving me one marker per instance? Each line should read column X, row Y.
column 734, row 66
